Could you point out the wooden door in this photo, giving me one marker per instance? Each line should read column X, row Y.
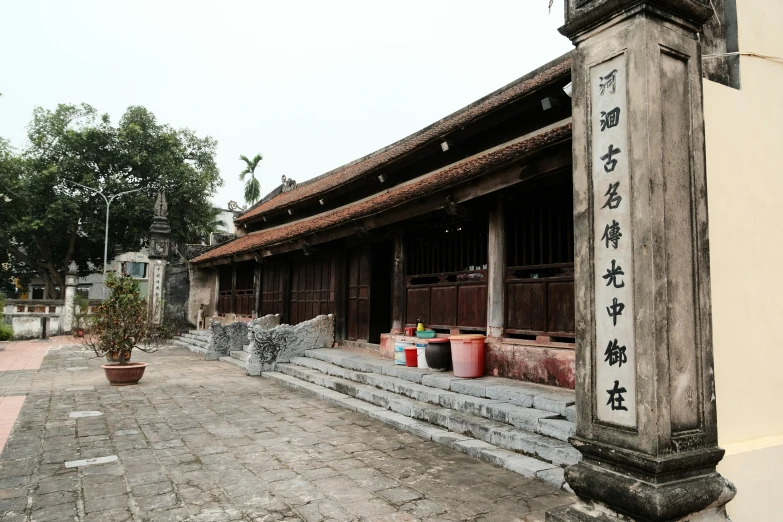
column 359, row 295
column 244, row 292
column 274, row 277
column 312, row 287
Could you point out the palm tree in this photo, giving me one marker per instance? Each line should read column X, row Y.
column 252, row 186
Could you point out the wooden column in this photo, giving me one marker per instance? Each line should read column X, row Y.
column 398, row 283
column 496, row 291
column 216, row 293
column 233, row 300
column 257, row 283
column 340, row 296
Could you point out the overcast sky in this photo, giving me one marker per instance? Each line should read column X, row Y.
column 309, row 84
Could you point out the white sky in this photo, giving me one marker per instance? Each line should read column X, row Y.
column 309, row 84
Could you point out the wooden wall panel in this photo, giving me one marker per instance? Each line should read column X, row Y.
column 472, row 306
column 526, row 306
column 417, row 305
column 443, row 306
column 561, row 312
column 272, row 289
column 312, row 290
column 359, row 265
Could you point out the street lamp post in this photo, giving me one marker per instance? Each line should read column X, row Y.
column 108, row 206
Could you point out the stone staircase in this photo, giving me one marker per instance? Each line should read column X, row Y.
column 519, row 426
column 194, row 340
column 238, row 357
column 198, row 340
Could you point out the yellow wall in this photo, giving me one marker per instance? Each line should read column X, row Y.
column 745, row 182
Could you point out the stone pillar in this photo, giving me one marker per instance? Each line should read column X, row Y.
column 645, row 392
column 159, row 251
column 496, row 273
column 398, row 283
column 69, row 307
column 156, row 276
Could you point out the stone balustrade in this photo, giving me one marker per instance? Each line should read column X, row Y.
column 226, row 338
column 270, row 346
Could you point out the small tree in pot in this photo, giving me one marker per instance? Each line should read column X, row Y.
column 120, row 325
column 83, row 304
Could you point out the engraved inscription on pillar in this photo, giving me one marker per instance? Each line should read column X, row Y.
column 614, row 357
column 157, row 291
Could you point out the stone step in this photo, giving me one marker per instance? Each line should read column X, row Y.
column 198, row 341
column 191, row 347
column 200, row 332
column 529, row 395
column 513, row 461
column 240, row 355
column 235, row 362
column 530, row 419
column 452, row 415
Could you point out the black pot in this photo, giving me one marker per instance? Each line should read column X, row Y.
column 438, row 356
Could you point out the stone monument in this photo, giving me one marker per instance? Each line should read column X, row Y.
column 159, row 250
column 645, row 392
column 69, row 306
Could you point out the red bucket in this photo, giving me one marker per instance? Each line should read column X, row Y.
column 411, row 356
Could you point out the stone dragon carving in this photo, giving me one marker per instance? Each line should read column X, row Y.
column 281, row 343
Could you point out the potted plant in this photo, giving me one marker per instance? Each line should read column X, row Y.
column 118, row 326
column 83, row 303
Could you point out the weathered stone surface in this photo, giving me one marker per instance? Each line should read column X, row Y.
column 225, row 338
column 266, row 322
column 665, row 467
column 279, row 344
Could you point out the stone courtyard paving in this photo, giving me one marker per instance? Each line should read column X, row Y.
column 199, row 440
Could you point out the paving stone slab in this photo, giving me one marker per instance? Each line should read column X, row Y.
column 90, row 462
column 201, row 441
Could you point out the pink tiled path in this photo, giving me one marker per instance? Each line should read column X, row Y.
column 19, row 355
column 9, row 409
column 23, row 355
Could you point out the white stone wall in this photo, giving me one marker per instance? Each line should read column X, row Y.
column 202, row 292
column 28, row 326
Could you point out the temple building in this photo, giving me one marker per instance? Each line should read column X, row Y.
column 466, row 225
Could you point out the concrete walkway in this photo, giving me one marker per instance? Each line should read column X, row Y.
column 199, row 440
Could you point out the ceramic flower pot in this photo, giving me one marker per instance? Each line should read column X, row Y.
column 119, row 356
column 124, row 375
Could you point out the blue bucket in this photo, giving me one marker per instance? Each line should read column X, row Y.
column 399, row 352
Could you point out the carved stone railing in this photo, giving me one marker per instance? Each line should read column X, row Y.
column 281, row 343
column 233, row 336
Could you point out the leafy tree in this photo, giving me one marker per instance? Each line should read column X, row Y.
column 49, row 223
column 252, row 186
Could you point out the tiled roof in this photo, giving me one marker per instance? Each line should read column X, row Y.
column 342, row 175
column 482, row 163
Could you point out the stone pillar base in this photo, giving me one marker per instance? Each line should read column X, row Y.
column 673, row 495
column 595, row 512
